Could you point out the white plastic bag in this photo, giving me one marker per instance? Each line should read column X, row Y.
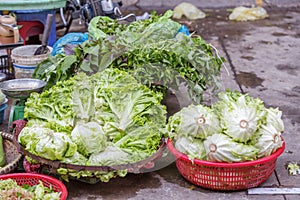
column 248, row 14
column 188, row 10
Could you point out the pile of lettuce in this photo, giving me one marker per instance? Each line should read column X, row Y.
column 236, row 128
column 153, row 50
column 105, row 119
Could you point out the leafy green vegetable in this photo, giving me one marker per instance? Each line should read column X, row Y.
column 192, row 147
column 53, row 106
column 274, row 118
column 107, row 109
column 137, row 47
column 293, row 168
column 197, row 121
column 110, row 156
column 83, row 99
column 236, row 128
column 103, row 176
column 89, row 138
column 77, row 159
column 220, row 148
column 101, row 26
column 44, row 141
column 9, row 189
column 269, row 140
column 8, row 184
column 241, row 115
column 2, row 153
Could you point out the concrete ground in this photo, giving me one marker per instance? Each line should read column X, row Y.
column 263, row 60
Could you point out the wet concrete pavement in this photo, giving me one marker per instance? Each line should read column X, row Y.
column 263, row 60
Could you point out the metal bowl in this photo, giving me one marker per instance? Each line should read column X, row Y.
column 21, row 88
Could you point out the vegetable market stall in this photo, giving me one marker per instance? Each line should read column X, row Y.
column 53, row 86
column 32, row 15
column 118, row 106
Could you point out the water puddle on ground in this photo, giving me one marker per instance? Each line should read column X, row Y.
column 249, row 79
column 278, row 34
column 290, row 69
column 250, row 58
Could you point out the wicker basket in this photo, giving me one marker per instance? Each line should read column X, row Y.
column 12, row 155
column 225, row 176
column 50, row 166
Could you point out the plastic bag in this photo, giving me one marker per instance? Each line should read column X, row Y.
column 248, row 14
column 183, row 29
column 70, row 38
column 188, row 10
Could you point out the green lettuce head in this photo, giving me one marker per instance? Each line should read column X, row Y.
column 89, row 138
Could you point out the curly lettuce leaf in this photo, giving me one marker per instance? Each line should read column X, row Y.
column 76, row 159
column 128, row 116
column 53, row 106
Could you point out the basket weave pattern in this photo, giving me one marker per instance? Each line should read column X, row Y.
column 12, row 155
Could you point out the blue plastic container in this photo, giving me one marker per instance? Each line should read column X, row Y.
column 2, row 111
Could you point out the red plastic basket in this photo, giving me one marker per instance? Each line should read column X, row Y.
column 225, row 176
column 33, row 179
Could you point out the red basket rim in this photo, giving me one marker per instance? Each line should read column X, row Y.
column 183, row 156
column 58, row 183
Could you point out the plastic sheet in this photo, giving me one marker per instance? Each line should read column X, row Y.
column 70, row 38
column 248, row 14
column 189, row 11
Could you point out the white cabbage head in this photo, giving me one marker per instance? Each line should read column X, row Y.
column 269, row 141
column 221, row 148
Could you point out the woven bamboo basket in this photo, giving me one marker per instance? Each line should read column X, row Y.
column 12, row 154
